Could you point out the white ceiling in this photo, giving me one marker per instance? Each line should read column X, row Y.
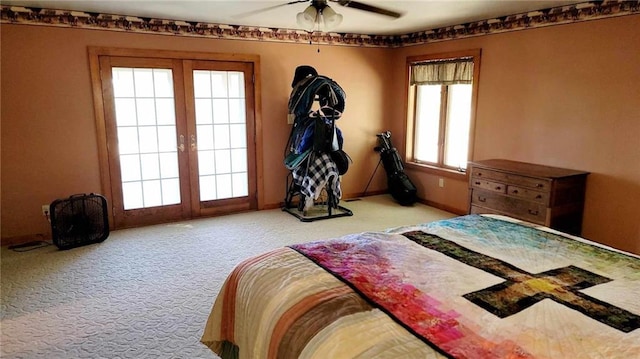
column 418, row 15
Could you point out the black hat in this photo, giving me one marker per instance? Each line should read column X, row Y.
column 341, row 160
column 302, row 72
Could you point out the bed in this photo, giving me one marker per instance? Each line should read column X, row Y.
column 475, row 286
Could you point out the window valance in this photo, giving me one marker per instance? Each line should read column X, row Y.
column 442, row 72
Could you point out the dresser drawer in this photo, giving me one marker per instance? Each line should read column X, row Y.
column 528, row 194
column 481, row 173
column 515, row 207
column 539, row 184
column 489, row 185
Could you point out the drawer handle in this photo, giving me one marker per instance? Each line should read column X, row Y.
column 478, row 183
column 540, row 185
column 539, row 196
column 498, row 188
column 482, row 199
column 515, row 191
column 479, row 174
column 532, row 212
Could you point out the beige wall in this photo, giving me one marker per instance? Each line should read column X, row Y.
column 49, row 145
column 563, row 96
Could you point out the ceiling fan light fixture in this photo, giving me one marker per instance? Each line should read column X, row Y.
column 316, row 16
column 308, row 18
column 331, row 18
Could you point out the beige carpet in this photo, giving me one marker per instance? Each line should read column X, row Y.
column 147, row 292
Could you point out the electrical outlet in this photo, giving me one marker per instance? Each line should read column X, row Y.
column 441, row 182
column 45, row 210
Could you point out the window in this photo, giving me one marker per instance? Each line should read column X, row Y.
column 442, row 93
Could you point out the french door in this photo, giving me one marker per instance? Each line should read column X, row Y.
column 179, row 136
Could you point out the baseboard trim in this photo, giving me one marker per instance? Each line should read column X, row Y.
column 443, row 207
column 18, row 240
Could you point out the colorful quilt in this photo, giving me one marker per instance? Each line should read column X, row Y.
column 469, row 287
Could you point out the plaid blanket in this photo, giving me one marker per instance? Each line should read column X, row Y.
column 314, row 177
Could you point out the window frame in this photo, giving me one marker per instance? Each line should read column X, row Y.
column 410, row 123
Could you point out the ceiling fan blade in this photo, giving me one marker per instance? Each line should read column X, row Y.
column 370, row 8
column 268, row 8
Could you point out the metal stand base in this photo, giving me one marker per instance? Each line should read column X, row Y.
column 317, row 212
column 323, row 209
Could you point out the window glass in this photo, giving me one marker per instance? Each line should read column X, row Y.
column 441, row 94
column 458, row 123
column 427, row 122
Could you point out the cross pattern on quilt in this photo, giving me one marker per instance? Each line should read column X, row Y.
column 522, row 289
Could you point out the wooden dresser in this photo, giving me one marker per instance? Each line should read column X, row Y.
column 545, row 195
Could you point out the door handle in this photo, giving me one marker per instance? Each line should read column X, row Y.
column 181, row 145
column 193, row 143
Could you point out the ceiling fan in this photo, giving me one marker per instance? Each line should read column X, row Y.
column 319, row 12
column 355, row 5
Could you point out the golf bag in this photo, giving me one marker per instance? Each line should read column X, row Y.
column 399, row 184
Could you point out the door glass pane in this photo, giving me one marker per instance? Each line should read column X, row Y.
column 219, row 84
column 207, row 187
column 236, row 111
column 125, row 111
column 165, row 111
column 150, row 165
column 223, row 161
column 122, row 82
column 222, row 147
column 145, row 120
column 221, row 133
column 236, row 85
column 128, row 140
column 152, row 193
column 204, row 112
column 170, row 191
column 239, row 161
column 146, row 109
column 130, row 165
column 238, row 135
column 132, row 195
column 221, row 111
column 458, row 122
column 148, row 139
column 205, row 137
column 240, row 181
column 202, row 84
column 169, row 165
column 206, row 163
column 143, row 82
column 427, row 123
column 167, row 142
column 223, row 187
column 163, row 83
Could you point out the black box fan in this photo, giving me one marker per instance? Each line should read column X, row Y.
column 78, row 220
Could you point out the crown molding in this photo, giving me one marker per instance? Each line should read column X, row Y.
column 586, row 11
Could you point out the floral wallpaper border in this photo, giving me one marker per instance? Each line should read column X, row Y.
column 591, row 10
